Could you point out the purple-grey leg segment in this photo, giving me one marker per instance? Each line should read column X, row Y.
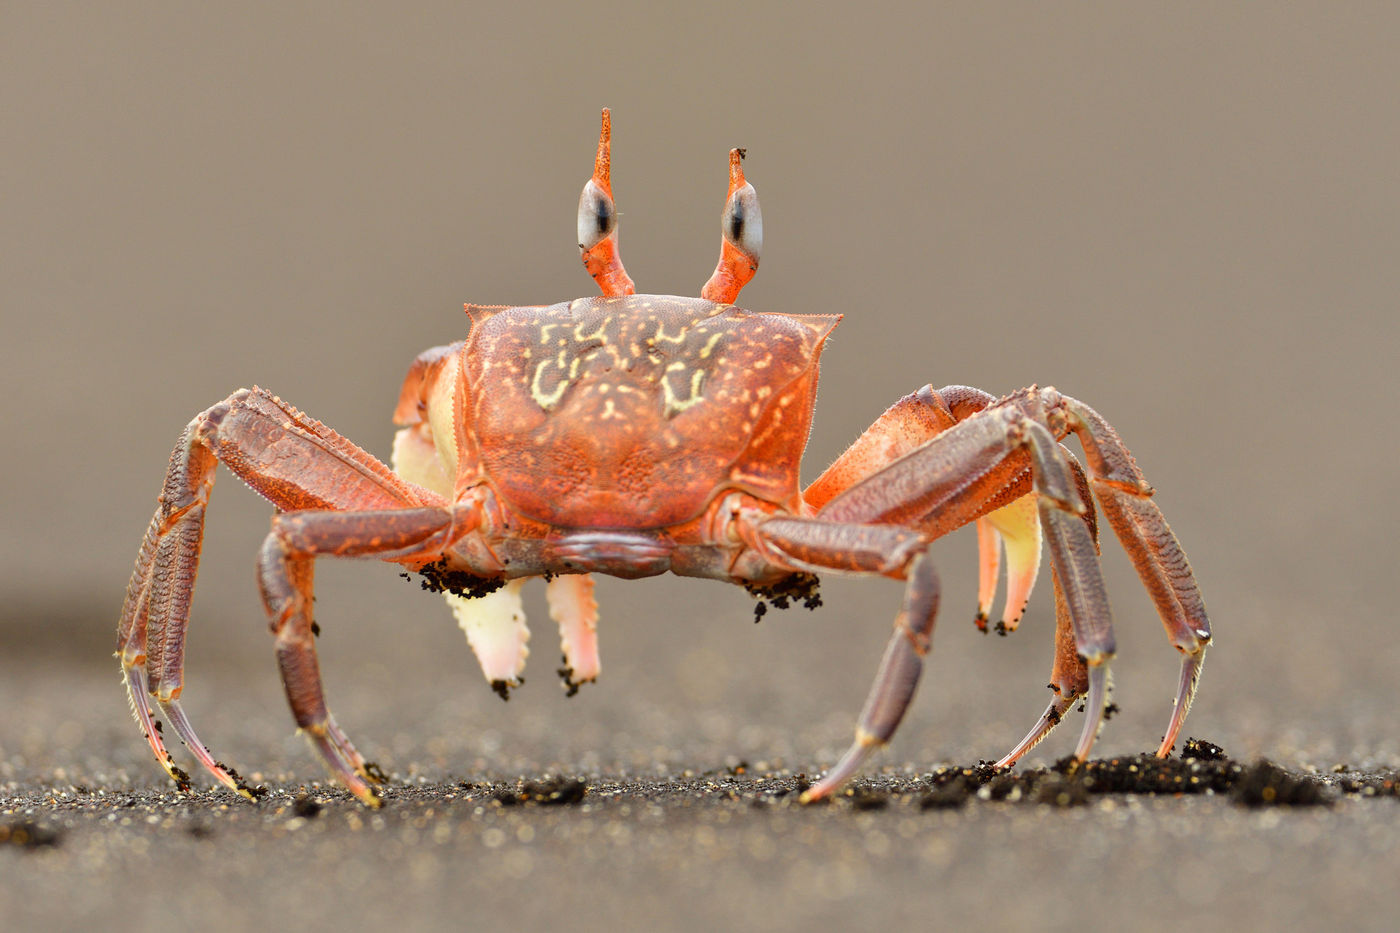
column 292, row 460
column 967, row 469
column 1069, row 674
column 1123, row 494
column 816, row 544
column 896, row 679
column 285, row 575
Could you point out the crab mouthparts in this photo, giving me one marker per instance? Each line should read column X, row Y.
column 628, row 554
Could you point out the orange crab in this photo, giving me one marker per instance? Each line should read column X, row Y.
column 635, row 434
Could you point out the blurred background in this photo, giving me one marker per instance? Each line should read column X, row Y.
column 1186, row 215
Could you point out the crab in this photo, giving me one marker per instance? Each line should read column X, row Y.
column 632, row 435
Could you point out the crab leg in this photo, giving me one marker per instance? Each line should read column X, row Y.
column 879, row 478
column 813, row 544
column 572, row 606
column 959, row 468
column 416, row 536
column 988, row 570
column 1069, row 675
column 1155, row 552
column 292, row 460
column 496, row 631
column 150, row 635
column 950, row 480
column 895, row 680
column 1016, row 528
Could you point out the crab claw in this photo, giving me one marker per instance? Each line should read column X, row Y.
column 572, row 605
column 1016, row 528
column 496, row 630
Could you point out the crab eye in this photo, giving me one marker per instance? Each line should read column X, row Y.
column 742, row 222
column 597, row 217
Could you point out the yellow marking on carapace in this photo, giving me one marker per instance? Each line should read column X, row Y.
column 546, row 400
column 674, row 404
column 597, row 334
column 710, row 345
column 662, row 335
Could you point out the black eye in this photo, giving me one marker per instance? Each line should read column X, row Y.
column 597, row 217
column 742, row 222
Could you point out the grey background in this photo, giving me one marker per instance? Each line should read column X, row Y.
column 1185, row 214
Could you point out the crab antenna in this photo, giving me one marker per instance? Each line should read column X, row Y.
column 741, row 227
column 597, row 221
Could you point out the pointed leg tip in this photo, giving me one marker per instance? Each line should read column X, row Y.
column 1094, row 706
column 367, row 794
column 1010, row 621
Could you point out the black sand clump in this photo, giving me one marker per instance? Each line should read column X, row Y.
column 1265, row 784
column 948, row 796
column 437, row 578
column 864, row 798
column 801, row 587
column 1059, row 790
column 1366, row 785
column 1204, row 768
column 1202, row 750
column 1148, row 774
column 306, row 806
column 951, row 788
column 554, row 791
column 974, row 777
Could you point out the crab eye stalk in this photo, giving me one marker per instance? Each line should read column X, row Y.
column 597, row 221
column 742, row 222
column 741, row 227
column 597, row 216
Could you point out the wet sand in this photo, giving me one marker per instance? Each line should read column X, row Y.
column 1185, row 216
